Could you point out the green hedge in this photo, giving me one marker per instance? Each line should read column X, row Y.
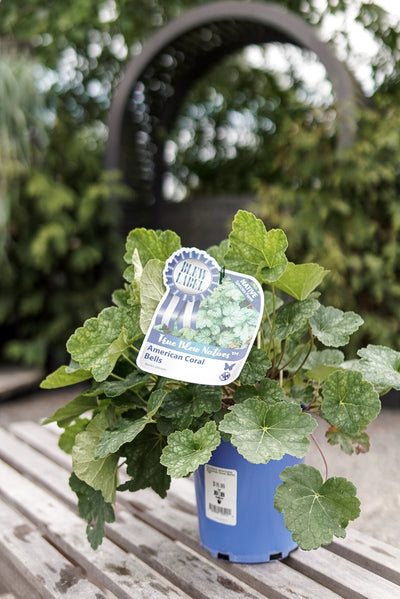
column 342, row 211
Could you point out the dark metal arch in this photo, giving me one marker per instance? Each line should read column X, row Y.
column 147, row 100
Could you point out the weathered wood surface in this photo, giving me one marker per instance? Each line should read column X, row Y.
column 152, row 551
column 17, row 380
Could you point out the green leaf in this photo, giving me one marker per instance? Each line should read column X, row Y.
column 254, row 250
column 268, row 390
column 299, row 280
column 267, row 431
column 333, row 327
column 74, row 408
column 134, row 381
column 191, row 401
column 93, row 509
column 123, row 431
column 349, row 442
column 292, row 317
column 155, row 401
column 118, row 346
column 186, row 451
column 92, row 345
column 321, row 364
column 348, row 401
column 326, row 357
column 143, row 462
column 313, row 510
column 151, row 244
column 218, row 252
column 380, row 366
column 151, row 291
column 255, row 367
column 127, row 429
column 101, row 473
column 62, row 378
column 319, row 374
column 66, row 440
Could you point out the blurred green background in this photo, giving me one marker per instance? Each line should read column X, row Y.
column 261, row 124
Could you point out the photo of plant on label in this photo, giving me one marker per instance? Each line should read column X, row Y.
column 206, row 322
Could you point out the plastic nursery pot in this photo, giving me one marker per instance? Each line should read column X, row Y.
column 235, row 505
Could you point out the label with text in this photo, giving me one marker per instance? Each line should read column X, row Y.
column 220, row 494
column 205, row 324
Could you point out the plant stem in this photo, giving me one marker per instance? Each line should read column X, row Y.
column 322, row 455
column 129, row 360
column 314, row 397
column 115, row 376
column 307, row 354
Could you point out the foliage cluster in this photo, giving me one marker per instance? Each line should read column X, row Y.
column 341, row 211
column 57, row 229
column 146, row 429
column 82, row 49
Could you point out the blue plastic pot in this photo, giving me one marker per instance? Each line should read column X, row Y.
column 235, row 504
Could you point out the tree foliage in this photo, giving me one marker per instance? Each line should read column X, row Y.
column 242, row 128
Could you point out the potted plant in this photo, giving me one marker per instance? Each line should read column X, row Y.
column 147, row 427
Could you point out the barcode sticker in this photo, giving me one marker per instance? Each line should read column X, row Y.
column 221, row 494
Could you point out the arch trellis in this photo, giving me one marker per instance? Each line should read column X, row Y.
column 147, row 100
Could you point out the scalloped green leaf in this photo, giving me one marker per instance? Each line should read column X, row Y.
column 101, row 473
column 264, row 431
column 325, row 357
column 127, row 429
column 99, row 343
column 268, row 390
column 71, row 410
column 380, row 366
column 319, row 374
column 255, row 367
column 123, row 431
column 254, row 250
column 218, row 252
column 299, row 280
column 151, row 244
column 333, row 327
column 143, row 463
column 292, row 317
column 191, row 401
column 92, row 508
column 62, row 377
column 349, row 442
column 186, row 450
column 113, row 388
column 314, row 510
column 152, row 290
column 348, row 401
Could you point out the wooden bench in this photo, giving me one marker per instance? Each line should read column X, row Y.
column 152, row 551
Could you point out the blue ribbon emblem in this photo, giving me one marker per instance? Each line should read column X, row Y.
column 190, row 275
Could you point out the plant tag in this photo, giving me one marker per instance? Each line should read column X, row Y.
column 205, row 323
column 220, row 494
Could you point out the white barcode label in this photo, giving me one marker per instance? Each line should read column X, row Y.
column 221, row 494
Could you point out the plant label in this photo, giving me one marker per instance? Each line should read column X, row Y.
column 205, row 324
column 220, row 494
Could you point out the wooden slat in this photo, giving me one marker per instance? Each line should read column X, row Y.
column 347, row 579
column 109, row 565
column 275, row 580
column 43, row 438
column 40, row 568
column 148, row 527
column 15, row 380
column 374, row 555
column 172, row 560
column 175, row 518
